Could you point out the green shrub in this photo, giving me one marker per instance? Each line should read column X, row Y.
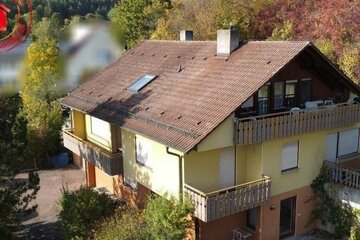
column 127, row 224
column 81, row 209
column 164, row 218
column 167, row 219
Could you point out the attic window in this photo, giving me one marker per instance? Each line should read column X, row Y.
column 141, row 83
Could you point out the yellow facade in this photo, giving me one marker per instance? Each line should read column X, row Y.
column 221, row 137
column 202, row 170
column 311, row 156
column 78, row 123
column 200, row 167
column 164, row 174
column 255, row 160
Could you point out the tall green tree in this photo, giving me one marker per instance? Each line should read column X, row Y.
column 137, row 18
column 15, row 195
column 40, row 108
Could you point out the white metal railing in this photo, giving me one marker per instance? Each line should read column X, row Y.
column 347, row 177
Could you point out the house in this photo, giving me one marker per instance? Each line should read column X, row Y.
column 10, row 66
column 241, row 128
column 3, row 17
column 89, row 49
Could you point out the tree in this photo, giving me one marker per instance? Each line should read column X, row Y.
column 285, row 32
column 205, row 17
column 15, row 195
column 349, row 62
column 42, row 112
column 137, row 18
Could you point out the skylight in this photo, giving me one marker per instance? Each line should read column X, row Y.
column 141, row 82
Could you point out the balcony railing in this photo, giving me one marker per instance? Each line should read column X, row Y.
column 228, row 201
column 347, row 177
column 111, row 163
column 273, row 126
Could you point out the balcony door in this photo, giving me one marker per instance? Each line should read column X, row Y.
column 287, row 217
column 227, row 167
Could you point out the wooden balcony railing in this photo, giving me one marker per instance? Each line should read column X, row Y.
column 273, row 126
column 347, row 177
column 228, row 201
column 111, row 163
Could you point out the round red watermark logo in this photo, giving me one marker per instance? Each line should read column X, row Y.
column 15, row 23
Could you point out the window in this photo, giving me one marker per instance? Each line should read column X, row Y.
column 278, row 94
column 100, row 128
column 251, row 218
column 246, row 108
column 290, row 155
column 290, row 90
column 342, row 144
column 143, row 152
column 263, row 98
column 141, row 83
column 249, row 104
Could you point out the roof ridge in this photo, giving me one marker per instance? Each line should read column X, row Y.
column 178, row 41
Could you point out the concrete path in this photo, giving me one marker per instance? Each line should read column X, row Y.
column 43, row 224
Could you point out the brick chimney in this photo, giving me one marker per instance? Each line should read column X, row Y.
column 227, row 41
column 186, row 35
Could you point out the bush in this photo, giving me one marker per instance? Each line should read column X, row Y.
column 163, row 218
column 81, row 209
column 127, row 224
column 167, row 218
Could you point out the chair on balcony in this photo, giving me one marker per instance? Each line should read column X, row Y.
column 295, row 111
column 241, row 234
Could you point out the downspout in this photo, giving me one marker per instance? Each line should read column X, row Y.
column 180, row 170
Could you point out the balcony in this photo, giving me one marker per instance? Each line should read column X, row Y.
column 345, row 176
column 273, row 126
column 228, row 201
column 111, row 163
column 349, row 178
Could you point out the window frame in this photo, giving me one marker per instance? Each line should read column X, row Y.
column 294, row 95
column 267, row 99
column 141, row 82
column 297, row 156
column 107, row 138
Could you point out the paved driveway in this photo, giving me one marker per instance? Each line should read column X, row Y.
column 43, row 224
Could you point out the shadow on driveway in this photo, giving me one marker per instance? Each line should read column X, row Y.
column 41, row 230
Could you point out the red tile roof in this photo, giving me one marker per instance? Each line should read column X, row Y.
column 180, row 108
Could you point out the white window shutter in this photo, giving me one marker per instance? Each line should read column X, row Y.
column 289, row 158
column 348, row 142
column 331, row 146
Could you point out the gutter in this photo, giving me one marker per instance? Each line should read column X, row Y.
column 180, row 170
